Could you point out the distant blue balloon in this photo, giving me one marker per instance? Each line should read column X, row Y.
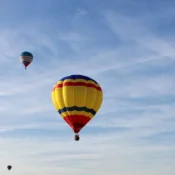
column 26, row 58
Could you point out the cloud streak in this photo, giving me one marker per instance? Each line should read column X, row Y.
column 132, row 134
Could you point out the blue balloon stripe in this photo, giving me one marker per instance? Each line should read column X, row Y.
column 65, row 109
column 74, row 77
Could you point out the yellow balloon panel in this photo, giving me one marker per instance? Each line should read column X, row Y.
column 58, row 98
column 80, row 96
column 98, row 101
column 54, row 101
column 91, row 97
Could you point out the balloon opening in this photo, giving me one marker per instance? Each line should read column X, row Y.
column 76, row 137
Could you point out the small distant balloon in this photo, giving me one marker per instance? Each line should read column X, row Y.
column 26, row 58
column 9, row 167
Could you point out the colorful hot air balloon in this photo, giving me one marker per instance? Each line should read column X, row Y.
column 9, row 167
column 77, row 98
column 26, row 58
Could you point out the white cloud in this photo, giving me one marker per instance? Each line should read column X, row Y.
column 134, row 112
column 139, row 33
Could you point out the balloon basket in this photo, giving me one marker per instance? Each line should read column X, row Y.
column 76, row 137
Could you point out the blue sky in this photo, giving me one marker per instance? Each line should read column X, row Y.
column 127, row 46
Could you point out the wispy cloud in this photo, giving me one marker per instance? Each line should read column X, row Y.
column 133, row 132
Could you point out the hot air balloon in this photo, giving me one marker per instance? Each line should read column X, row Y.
column 77, row 98
column 26, row 58
column 9, row 167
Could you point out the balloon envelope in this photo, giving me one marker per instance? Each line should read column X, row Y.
column 26, row 58
column 9, row 167
column 77, row 98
